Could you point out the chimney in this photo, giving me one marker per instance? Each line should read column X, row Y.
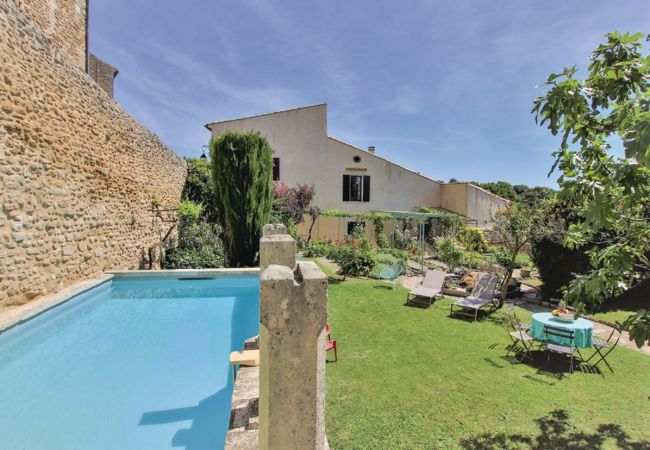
column 371, row 149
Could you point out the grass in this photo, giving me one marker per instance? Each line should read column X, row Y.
column 411, row 378
column 614, row 316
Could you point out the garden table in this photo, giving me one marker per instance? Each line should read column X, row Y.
column 582, row 329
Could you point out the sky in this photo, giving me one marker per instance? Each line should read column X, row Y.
column 441, row 87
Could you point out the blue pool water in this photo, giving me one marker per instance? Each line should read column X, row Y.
column 135, row 363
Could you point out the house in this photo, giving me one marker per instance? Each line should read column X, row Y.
column 352, row 179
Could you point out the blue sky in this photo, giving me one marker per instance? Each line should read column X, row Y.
column 442, row 87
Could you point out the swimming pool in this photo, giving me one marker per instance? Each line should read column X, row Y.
column 134, row 363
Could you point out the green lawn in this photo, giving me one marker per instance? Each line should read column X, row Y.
column 614, row 316
column 411, row 378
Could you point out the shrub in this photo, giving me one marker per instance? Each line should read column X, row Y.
column 382, row 240
column 199, row 247
column 355, row 262
column 383, row 260
column 450, row 252
column 200, row 189
column 473, row 239
column 316, row 249
column 401, row 240
column 397, row 253
column 557, row 265
column 188, row 211
column 242, row 165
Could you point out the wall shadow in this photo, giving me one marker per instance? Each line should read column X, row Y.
column 556, row 432
column 204, row 433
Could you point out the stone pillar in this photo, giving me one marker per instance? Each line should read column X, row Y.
column 293, row 313
column 277, row 247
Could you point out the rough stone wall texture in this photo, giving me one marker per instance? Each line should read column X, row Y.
column 63, row 22
column 77, row 172
column 103, row 73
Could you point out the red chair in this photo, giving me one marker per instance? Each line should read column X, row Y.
column 330, row 344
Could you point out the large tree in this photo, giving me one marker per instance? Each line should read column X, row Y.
column 611, row 189
column 242, row 165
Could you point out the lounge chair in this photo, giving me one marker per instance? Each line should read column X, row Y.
column 430, row 288
column 482, row 296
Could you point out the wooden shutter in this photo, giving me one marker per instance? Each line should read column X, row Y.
column 346, row 188
column 276, row 169
column 366, row 188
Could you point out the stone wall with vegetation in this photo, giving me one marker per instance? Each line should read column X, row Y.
column 77, row 172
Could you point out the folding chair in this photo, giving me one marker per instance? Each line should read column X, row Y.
column 606, row 346
column 329, row 343
column 567, row 350
column 522, row 342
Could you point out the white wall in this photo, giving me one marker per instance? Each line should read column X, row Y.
column 482, row 205
column 392, row 188
column 307, row 155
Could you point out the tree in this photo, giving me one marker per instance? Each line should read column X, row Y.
column 611, row 194
column 515, row 227
column 199, row 188
column 242, row 165
column 314, row 213
column 291, row 204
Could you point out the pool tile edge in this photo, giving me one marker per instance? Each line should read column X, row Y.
column 185, row 272
column 23, row 313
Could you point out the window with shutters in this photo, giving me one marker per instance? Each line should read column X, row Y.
column 356, row 188
column 276, row 169
column 352, row 225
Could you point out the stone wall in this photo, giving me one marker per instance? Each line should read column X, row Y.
column 64, row 22
column 103, row 73
column 78, row 173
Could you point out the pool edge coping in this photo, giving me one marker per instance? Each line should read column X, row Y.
column 28, row 311
column 186, row 272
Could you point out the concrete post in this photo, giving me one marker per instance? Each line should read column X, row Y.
column 293, row 313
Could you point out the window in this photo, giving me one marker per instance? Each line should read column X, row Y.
column 276, row 169
column 356, row 188
column 352, row 225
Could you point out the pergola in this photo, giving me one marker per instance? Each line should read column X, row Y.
column 422, row 218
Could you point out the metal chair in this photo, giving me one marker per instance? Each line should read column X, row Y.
column 605, row 345
column 567, row 350
column 519, row 325
column 390, row 273
column 518, row 336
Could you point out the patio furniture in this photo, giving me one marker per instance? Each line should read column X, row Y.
column 430, row 287
column 390, row 273
column 605, row 345
column 482, row 296
column 521, row 341
column 582, row 329
column 329, row 343
column 564, row 335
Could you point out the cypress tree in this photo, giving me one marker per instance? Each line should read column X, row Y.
column 242, row 166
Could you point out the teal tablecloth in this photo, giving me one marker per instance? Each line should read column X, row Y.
column 582, row 328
